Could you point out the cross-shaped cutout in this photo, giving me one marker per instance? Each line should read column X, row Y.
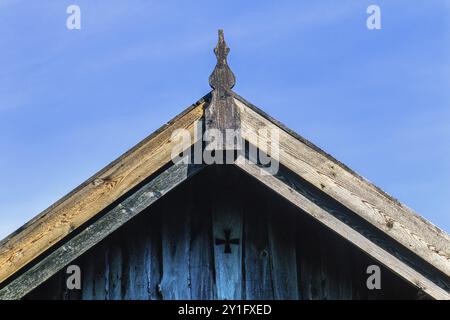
column 227, row 241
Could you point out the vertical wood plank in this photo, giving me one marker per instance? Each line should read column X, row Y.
column 175, row 284
column 141, row 257
column 313, row 271
column 101, row 272
column 115, row 269
column 325, row 263
column 257, row 268
column 134, row 280
column 342, row 260
column 305, row 254
column 359, row 289
column 87, row 274
column 227, row 227
column 153, row 253
column 304, row 271
column 201, row 253
column 283, row 251
column 327, row 272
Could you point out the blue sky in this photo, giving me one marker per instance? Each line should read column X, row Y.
column 72, row 101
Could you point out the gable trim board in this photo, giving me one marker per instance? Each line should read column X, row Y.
column 345, row 231
column 98, row 230
column 297, row 154
column 356, row 193
column 94, row 195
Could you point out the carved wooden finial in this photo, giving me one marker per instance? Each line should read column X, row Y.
column 222, row 78
column 222, row 113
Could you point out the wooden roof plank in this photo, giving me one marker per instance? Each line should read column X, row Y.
column 353, row 191
column 379, row 254
column 94, row 195
column 98, row 230
column 297, row 154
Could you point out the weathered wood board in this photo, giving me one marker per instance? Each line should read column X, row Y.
column 283, row 252
column 345, row 186
column 175, row 283
column 94, row 195
column 201, row 258
column 169, row 251
column 227, row 234
column 257, row 264
column 335, row 217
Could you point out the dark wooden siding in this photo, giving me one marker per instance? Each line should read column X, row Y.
column 178, row 249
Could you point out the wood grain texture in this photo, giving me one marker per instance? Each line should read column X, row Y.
column 314, row 264
column 134, row 270
column 142, row 263
column 379, row 254
column 93, row 234
column 201, row 262
column 282, row 253
column 115, row 271
column 135, row 280
column 257, row 266
column 309, row 266
column 354, row 192
column 101, row 273
column 222, row 114
column 363, row 227
column 176, row 238
column 93, row 196
column 341, row 273
column 87, row 277
column 152, row 257
column 227, row 219
column 323, row 252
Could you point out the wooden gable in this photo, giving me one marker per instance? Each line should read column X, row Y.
column 176, row 249
column 317, row 185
